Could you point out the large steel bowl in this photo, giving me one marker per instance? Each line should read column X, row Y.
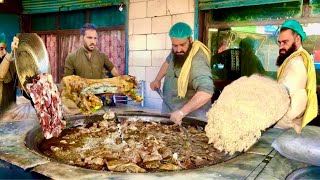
column 34, row 137
column 31, row 57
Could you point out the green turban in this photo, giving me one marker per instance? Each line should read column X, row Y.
column 180, row 30
column 295, row 26
column 3, row 38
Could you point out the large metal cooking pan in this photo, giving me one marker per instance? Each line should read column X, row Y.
column 31, row 57
column 34, row 136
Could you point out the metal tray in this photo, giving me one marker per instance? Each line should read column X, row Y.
column 312, row 172
column 31, row 57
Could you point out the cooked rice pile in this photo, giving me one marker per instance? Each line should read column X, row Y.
column 246, row 107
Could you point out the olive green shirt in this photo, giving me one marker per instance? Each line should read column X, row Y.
column 200, row 80
column 78, row 63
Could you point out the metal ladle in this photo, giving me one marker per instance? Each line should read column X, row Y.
column 185, row 131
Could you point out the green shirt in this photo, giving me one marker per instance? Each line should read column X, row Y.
column 78, row 63
column 200, row 80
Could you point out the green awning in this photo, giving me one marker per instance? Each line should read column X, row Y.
column 46, row 6
column 219, row 4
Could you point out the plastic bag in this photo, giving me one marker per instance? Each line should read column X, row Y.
column 304, row 147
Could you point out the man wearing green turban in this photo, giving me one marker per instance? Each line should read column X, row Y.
column 7, row 73
column 297, row 73
column 188, row 85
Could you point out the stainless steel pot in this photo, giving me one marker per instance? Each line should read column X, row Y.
column 31, row 57
column 34, row 136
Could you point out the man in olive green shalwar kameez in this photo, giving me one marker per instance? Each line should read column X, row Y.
column 87, row 61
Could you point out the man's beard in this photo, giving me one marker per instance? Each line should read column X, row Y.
column 88, row 48
column 179, row 60
column 283, row 57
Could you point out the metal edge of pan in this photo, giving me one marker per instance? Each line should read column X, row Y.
column 33, row 45
column 311, row 172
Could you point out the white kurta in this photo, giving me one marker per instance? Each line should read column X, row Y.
column 294, row 78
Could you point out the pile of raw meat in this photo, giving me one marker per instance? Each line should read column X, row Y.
column 47, row 103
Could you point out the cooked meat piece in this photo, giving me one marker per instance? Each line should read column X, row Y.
column 200, row 162
column 152, row 164
column 154, row 156
column 97, row 161
column 123, row 166
column 169, row 167
column 54, row 148
column 80, row 162
column 82, row 91
column 165, row 152
column 63, row 142
column 131, row 155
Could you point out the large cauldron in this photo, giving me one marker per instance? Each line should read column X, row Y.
column 34, row 137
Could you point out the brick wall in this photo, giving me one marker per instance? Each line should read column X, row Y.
column 149, row 42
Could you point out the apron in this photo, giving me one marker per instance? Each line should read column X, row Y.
column 170, row 93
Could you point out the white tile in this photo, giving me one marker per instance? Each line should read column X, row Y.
column 191, row 5
column 186, row 18
column 142, row 26
column 156, row 41
column 138, row 72
column 168, row 42
column 130, row 58
column 159, row 56
column 141, row 58
column 130, row 28
column 177, row 6
column 161, row 24
column 156, row 8
column 137, row 10
column 149, row 93
column 137, row 42
column 151, row 73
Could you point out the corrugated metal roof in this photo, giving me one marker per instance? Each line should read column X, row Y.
column 219, row 4
column 45, row 6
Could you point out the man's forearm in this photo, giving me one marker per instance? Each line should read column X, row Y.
column 115, row 72
column 162, row 72
column 4, row 68
column 197, row 101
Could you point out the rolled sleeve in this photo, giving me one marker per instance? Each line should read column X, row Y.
column 169, row 57
column 107, row 63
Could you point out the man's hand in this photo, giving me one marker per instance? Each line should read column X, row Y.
column 177, row 116
column 154, row 85
column 14, row 46
column 15, row 43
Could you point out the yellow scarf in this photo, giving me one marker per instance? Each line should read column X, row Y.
column 312, row 106
column 185, row 70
